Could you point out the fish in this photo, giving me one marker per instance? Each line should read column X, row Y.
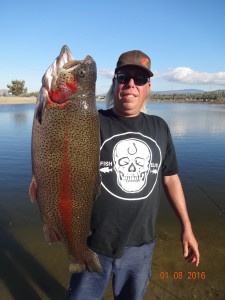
column 65, row 156
column 106, row 170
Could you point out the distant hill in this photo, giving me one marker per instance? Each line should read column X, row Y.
column 171, row 92
column 3, row 92
column 178, row 92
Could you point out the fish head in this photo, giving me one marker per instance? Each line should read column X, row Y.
column 76, row 77
column 65, row 78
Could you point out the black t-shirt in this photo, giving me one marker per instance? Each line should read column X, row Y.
column 135, row 153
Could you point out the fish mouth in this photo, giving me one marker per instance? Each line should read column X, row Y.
column 50, row 76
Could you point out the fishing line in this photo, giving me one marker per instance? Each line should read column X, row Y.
column 18, row 65
column 164, row 289
column 221, row 210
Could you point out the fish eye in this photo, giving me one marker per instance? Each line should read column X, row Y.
column 81, row 73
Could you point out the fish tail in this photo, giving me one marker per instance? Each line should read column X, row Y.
column 91, row 264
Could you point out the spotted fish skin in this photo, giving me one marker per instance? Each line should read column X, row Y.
column 65, row 156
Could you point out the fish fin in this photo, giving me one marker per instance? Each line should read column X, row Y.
column 33, row 190
column 42, row 99
column 91, row 263
column 94, row 265
column 50, row 234
column 77, row 268
column 39, row 111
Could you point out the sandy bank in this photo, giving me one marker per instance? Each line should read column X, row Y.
column 17, row 100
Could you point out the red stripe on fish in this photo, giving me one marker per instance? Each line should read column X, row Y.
column 65, row 201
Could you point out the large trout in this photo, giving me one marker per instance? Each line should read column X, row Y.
column 65, row 156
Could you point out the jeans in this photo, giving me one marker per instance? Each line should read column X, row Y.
column 130, row 276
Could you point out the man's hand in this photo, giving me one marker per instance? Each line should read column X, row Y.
column 190, row 248
column 175, row 193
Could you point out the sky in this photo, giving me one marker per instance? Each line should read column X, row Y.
column 184, row 39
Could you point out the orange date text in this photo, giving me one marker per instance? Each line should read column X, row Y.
column 178, row 275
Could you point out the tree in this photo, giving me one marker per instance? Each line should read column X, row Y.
column 17, row 87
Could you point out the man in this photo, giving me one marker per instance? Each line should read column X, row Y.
column 137, row 156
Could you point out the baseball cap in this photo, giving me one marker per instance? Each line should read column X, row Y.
column 135, row 58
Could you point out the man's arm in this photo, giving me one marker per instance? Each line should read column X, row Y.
column 175, row 193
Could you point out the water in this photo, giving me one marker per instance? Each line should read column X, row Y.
column 31, row 269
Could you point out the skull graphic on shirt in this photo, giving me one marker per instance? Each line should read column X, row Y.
column 132, row 160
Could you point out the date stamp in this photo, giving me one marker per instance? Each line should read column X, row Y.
column 177, row 275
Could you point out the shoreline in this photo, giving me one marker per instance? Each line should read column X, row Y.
column 17, row 100
column 32, row 100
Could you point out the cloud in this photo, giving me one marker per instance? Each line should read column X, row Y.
column 107, row 73
column 179, row 74
column 187, row 75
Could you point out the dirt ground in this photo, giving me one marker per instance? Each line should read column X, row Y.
column 17, row 100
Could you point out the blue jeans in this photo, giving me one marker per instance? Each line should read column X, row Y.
column 130, row 276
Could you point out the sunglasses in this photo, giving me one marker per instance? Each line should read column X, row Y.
column 125, row 78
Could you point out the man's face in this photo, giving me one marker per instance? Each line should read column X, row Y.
column 130, row 97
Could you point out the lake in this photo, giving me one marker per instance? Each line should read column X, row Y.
column 32, row 269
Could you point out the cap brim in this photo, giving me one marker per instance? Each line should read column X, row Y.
column 134, row 65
